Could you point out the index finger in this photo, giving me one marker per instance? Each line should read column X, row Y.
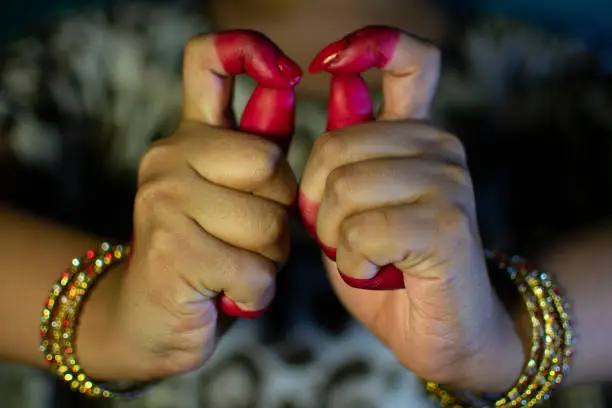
column 211, row 60
column 410, row 68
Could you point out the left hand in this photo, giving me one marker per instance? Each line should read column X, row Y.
column 397, row 191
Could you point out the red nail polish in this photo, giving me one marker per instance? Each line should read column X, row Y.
column 230, row 308
column 290, row 70
column 328, row 56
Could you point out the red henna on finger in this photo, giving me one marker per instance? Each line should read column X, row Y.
column 270, row 111
column 370, row 47
column 350, row 103
column 388, row 278
column 230, row 308
column 252, row 53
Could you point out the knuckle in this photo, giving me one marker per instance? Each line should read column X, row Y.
column 356, row 229
column 328, row 148
column 193, row 46
column 359, row 231
column 452, row 146
column 156, row 194
column 339, row 184
column 266, row 162
column 273, row 225
column 457, row 174
column 152, row 159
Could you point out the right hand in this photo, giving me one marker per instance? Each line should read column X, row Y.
column 211, row 216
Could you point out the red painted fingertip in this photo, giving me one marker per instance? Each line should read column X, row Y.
column 230, row 308
column 308, row 210
column 328, row 251
column 327, row 56
column 289, row 69
column 388, row 278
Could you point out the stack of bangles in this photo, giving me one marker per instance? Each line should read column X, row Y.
column 552, row 334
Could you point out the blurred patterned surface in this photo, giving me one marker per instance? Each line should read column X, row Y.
column 83, row 86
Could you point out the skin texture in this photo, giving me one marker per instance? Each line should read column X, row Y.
column 396, row 191
column 210, row 218
column 211, row 210
column 270, row 112
column 409, row 86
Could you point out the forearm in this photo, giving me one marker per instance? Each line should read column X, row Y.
column 33, row 254
column 582, row 268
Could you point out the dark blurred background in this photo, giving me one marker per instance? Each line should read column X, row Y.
column 569, row 147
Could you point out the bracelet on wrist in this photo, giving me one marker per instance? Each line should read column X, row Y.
column 552, row 341
column 60, row 319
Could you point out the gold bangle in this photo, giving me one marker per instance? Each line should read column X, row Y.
column 60, row 315
column 552, row 336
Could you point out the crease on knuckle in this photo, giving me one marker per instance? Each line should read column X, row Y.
column 273, row 225
column 157, row 194
column 452, row 147
column 328, row 148
column 266, row 162
column 355, row 231
column 457, row 174
column 339, row 185
column 151, row 161
column 362, row 228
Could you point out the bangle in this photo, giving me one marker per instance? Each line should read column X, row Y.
column 60, row 317
column 552, row 341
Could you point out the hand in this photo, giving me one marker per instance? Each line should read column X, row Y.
column 210, row 212
column 398, row 192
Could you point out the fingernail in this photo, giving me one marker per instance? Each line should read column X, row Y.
column 230, row 308
column 327, row 56
column 289, row 69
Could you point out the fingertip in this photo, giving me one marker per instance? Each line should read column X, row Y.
column 289, row 70
column 388, row 278
column 247, row 51
column 327, row 56
column 231, row 308
column 328, row 251
column 369, row 47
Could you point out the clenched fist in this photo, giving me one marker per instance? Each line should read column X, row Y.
column 211, row 209
column 392, row 205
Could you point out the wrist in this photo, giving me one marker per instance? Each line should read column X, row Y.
column 501, row 355
column 97, row 345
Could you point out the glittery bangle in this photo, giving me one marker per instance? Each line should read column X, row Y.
column 60, row 315
column 552, row 341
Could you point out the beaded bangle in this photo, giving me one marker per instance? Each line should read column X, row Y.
column 59, row 319
column 552, row 336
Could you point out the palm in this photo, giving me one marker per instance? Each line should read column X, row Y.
column 422, row 324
